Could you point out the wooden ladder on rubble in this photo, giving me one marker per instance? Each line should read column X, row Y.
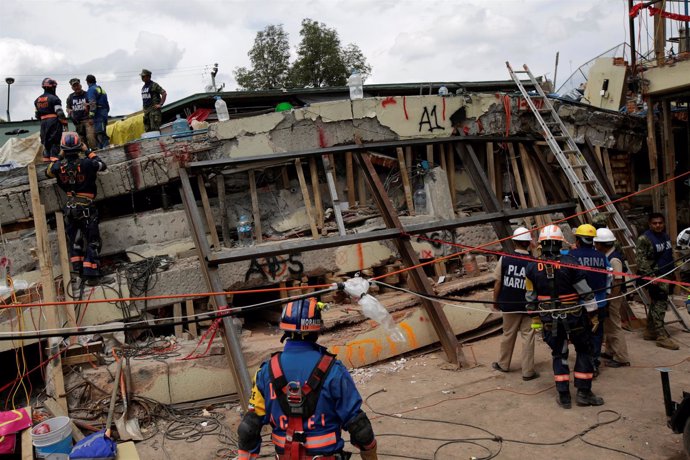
column 585, row 182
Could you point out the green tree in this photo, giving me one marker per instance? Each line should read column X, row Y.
column 270, row 58
column 319, row 57
column 354, row 60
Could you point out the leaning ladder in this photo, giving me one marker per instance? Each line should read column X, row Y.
column 571, row 159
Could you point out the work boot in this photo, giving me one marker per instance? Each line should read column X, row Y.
column 664, row 341
column 649, row 334
column 563, row 399
column 587, row 398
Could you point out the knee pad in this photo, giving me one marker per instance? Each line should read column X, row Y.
column 249, row 431
column 361, row 432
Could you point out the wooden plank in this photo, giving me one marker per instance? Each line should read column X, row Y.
column 405, row 180
column 534, row 195
column 285, row 177
column 652, row 155
column 55, row 384
column 256, row 212
column 189, row 309
column 207, row 211
column 26, row 441
column 222, row 204
column 607, row 168
column 451, row 174
column 329, row 168
column 442, row 155
column 430, row 155
column 80, row 359
column 350, row 178
column 518, row 180
column 307, row 199
column 177, row 316
column 669, row 168
column 57, row 410
column 316, row 190
column 361, row 189
column 67, row 310
column 491, row 166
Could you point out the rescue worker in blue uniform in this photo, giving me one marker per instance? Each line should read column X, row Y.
column 98, row 111
column 306, row 395
column 78, row 108
column 654, row 257
column 76, row 176
column 53, row 120
column 553, row 292
column 509, row 297
column 598, row 281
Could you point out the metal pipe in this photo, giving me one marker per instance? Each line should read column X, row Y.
column 631, row 26
column 9, row 81
column 666, row 388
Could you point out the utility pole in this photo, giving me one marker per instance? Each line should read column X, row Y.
column 9, row 81
column 631, row 26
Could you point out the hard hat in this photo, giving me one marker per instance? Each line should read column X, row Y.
column 586, row 230
column 522, row 234
column 683, row 239
column 70, row 142
column 48, row 83
column 74, row 81
column 604, row 235
column 145, row 72
column 551, row 233
column 301, row 316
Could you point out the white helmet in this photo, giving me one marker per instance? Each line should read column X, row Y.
column 551, row 232
column 522, row 234
column 683, row 239
column 604, row 235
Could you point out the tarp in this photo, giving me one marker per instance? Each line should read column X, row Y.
column 20, row 151
column 127, row 130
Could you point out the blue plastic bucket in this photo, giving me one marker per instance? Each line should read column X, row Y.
column 57, row 441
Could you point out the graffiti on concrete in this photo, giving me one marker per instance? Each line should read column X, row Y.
column 429, row 119
column 274, row 268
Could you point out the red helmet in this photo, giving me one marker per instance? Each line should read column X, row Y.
column 70, row 142
column 301, row 316
column 48, row 83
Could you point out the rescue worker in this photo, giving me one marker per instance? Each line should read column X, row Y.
column 77, row 177
column 616, row 346
column 553, row 291
column 153, row 97
column 77, row 108
column 599, row 282
column 654, row 257
column 98, row 112
column 509, row 296
column 53, row 120
column 306, row 395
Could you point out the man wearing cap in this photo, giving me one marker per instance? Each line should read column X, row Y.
column 78, row 109
column 153, row 97
column 98, row 111
column 509, row 296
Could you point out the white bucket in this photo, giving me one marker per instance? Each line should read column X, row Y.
column 57, row 443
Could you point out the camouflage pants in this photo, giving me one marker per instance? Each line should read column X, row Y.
column 658, row 294
column 152, row 120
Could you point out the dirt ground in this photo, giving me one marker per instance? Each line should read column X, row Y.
column 502, row 406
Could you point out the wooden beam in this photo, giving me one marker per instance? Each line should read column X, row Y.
column 55, row 384
column 350, row 178
column 607, row 168
column 652, row 154
column 67, row 310
column 189, row 310
column 329, row 168
column 535, row 194
column 361, row 189
column 26, row 441
column 177, row 316
column 405, row 180
column 256, row 212
column 207, row 212
column 491, row 166
column 223, row 206
column 307, row 199
column 669, row 168
column 430, row 155
column 316, row 190
column 57, row 410
column 518, row 179
column 451, row 174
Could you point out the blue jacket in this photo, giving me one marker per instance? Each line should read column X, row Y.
column 339, row 401
column 599, row 282
column 98, row 102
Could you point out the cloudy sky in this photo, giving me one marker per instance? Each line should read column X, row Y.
column 403, row 40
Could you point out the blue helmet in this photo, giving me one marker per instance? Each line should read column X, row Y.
column 70, row 143
column 302, row 316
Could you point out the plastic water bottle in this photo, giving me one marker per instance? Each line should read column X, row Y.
column 222, row 109
column 443, row 91
column 356, row 85
column 180, row 125
column 419, row 200
column 245, row 232
column 470, row 265
column 506, row 202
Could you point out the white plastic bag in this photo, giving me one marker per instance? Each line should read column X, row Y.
column 357, row 288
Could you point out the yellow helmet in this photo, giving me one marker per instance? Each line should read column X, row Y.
column 586, row 230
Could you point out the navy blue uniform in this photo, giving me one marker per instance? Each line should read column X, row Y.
column 77, row 178
column 48, row 106
column 571, row 323
column 99, row 108
column 78, row 110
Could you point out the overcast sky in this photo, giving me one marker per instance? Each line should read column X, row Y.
column 403, row 40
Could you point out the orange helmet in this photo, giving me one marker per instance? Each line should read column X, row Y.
column 551, row 232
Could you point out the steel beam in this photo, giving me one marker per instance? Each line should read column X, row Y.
column 233, row 348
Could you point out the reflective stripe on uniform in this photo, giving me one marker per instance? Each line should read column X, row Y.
column 76, row 258
column 90, row 265
column 51, row 115
column 583, row 376
column 312, row 442
column 562, row 298
column 561, row 377
column 244, row 455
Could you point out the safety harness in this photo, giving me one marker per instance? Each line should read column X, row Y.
column 555, row 302
column 297, row 402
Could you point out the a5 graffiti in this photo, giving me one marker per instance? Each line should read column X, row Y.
column 275, row 267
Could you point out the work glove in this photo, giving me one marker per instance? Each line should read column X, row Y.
column 536, row 324
column 594, row 320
